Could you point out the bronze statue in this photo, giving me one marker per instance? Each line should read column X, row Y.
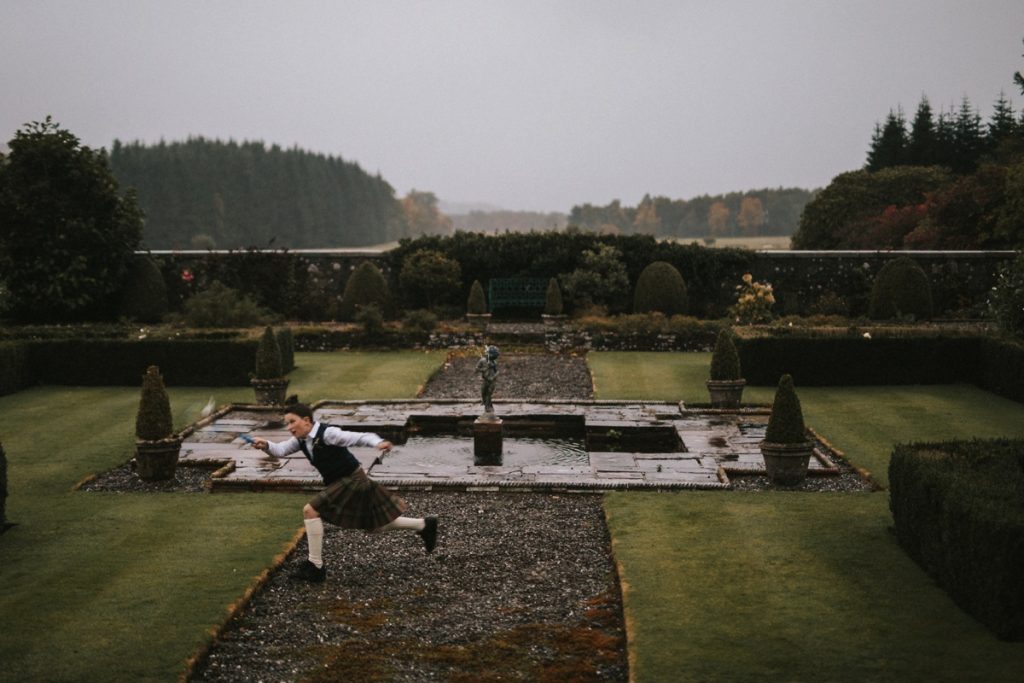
column 487, row 366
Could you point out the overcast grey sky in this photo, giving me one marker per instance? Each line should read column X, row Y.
column 524, row 105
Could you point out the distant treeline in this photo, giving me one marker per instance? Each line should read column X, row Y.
column 211, row 194
column 753, row 213
column 508, row 221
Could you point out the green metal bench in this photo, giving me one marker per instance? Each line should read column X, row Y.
column 517, row 292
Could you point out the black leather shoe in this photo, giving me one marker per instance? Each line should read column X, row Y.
column 307, row 571
column 429, row 533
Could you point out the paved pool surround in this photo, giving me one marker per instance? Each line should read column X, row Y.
column 631, row 445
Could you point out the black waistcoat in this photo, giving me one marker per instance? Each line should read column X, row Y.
column 333, row 462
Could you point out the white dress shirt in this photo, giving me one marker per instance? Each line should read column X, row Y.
column 332, row 435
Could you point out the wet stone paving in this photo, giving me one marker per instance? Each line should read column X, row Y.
column 630, row 445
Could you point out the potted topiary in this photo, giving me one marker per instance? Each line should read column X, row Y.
column 269, row 382
column 554, row 308
column 786, row 448
column 476, row 305
column 156, row 445
column 726, row 383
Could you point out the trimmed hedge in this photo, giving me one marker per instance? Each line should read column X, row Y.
column 15, row 367
column 116, row 362
column 843, row 361
column 1001, row 367
column 959, row 513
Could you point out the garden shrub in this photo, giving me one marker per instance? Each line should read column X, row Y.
column 153, row 420
column 601, row 279
column 145, row 292
column 268, row 356
column 428, row 278
column 221, row 306
column 365, row 286
column 725, row 361
column 371, row 320
column 477, row 303
column 1006, row 302
column 420, row 320
column 958, row 509
column 553, row 304
column 754, row 301
column 901, row 290
column 660, row 288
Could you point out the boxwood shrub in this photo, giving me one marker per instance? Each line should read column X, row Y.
column 854, row 360
column 958, row 509
column 1001, row 367
column 119, row 362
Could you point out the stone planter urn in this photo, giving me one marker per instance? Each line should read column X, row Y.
column 726, row 393
column 478, row 320
column 553, row 320
column 270, row 392
column 157, row 460
column 786, row 463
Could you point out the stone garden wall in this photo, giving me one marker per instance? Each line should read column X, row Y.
column 300, row 283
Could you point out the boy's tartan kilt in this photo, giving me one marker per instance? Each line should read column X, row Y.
column 357, row 502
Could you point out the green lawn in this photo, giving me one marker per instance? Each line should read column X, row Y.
column 125, row 587
column 99, row 586
column 791, row 586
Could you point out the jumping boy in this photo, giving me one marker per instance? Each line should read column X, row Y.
column 351, row 499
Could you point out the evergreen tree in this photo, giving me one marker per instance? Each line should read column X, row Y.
column 968, row 138
column 1003, row 124
column 921, row 147
column 241, row 195
column 889, row 143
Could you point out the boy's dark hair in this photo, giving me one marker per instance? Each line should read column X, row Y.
column 299, row 410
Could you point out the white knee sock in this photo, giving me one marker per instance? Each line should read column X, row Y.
column 315, row 540
column 414, row 523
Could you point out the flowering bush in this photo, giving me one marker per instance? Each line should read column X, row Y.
column 1006, row 302
column 754, row 301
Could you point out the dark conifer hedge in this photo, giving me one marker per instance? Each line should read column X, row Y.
column 958, row 509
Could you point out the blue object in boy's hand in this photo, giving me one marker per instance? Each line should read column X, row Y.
column 248, row 439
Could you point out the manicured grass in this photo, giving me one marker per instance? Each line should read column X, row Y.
column 792, row 586
column 732, row 586
column 362, row 374
column 102, row 586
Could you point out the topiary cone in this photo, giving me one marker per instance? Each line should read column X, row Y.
column 153, row 420
column 268, row 357
column 725, row 361
column 477, row 303
column 786, row 424
column 553, row 304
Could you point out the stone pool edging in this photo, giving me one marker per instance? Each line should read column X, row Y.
column 705, row 459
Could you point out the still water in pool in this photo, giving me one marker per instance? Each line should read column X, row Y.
column 457, row 451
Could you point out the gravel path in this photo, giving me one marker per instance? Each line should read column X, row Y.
column 520, row 587
column 526, row 376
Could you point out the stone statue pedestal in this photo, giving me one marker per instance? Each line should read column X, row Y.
column 487, row 440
